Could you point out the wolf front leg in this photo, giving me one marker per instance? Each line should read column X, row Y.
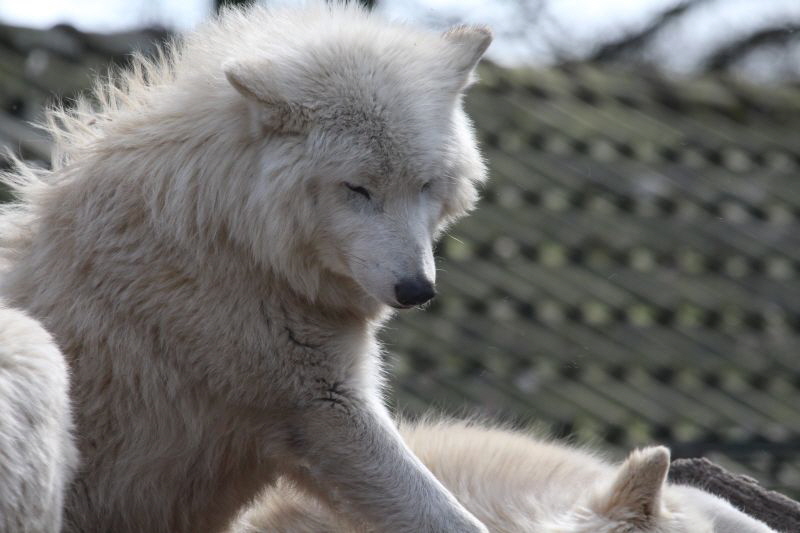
column 358, row 462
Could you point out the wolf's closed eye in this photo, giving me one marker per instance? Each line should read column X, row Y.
column 358, row 189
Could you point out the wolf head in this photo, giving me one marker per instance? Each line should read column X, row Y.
column 366, row 152
column 634, row 501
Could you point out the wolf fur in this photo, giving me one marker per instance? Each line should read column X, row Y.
column 516, row 483
column 222, row 233
column 36, row 451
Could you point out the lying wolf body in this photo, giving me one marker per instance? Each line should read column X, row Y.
column 37, row 454
column 515, row 483
column 222, row 233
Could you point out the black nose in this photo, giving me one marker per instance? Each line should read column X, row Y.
column 414, row 291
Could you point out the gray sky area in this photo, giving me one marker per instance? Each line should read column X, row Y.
column 527, row 31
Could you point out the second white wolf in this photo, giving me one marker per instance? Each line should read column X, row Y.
column 515, row 483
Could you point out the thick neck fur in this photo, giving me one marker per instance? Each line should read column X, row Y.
column 148, row 174
column 96, row 300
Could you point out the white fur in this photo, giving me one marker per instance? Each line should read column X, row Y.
column 216, row 285
column 515, row 483
column 36, row 451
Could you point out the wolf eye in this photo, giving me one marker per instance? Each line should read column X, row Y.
column 357, row 189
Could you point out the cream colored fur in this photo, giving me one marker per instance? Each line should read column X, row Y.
column 218, row 241
column 515, row 483
column 36, row 451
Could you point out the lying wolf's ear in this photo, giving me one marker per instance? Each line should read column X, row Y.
column 256, row 82
column 468, row 44
column 635, row 494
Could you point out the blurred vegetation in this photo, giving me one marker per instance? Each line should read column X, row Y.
column 220, row 3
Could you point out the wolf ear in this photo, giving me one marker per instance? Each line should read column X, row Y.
column 635, row 495
column 256, row 81
column 468, row 44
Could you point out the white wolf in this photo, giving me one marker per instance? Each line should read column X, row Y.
column 221, row 235
column 36, row 451
column 515, row 483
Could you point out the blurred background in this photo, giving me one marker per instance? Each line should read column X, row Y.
column 632, row 274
